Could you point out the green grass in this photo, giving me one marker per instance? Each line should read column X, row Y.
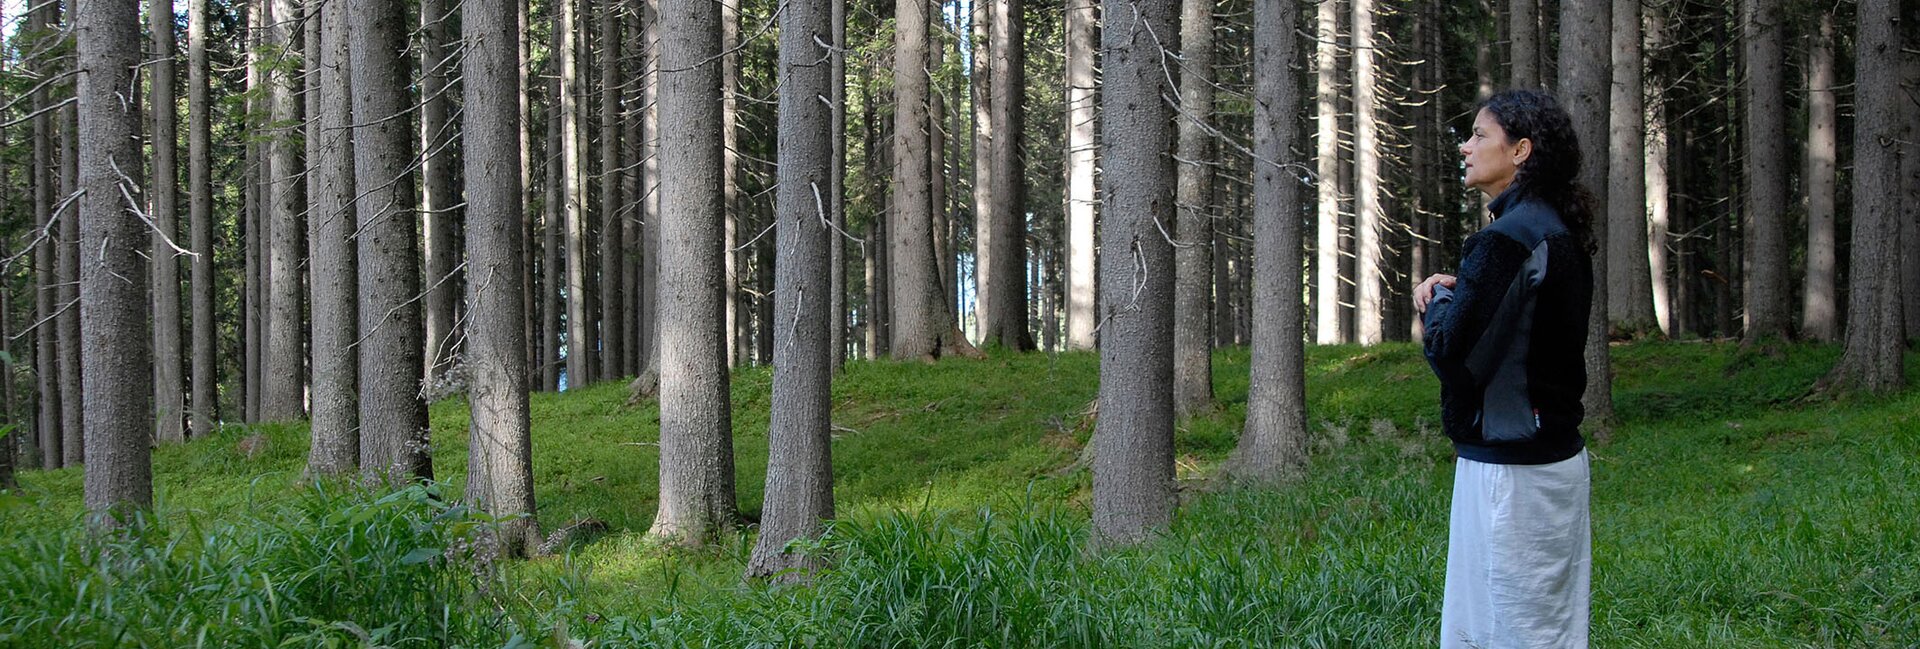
column 1729, row 511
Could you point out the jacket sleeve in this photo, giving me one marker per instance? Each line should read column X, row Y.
column 1456, row 318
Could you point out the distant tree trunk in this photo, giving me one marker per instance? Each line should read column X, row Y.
column 1133, row 448
column 330, row 223
column 1082, row 38
column 437, row 198
column 529, row 301
column 984, row 202
column 919, row 304
column 1585, row 79
column 48, row 254
column 500, row 450
column 1819, row 312
column 1765, row 129
column 612, row 227
column 1369, row 218
column 1328, row 329
column 205, row 402
column 283, row 398
column 553, row 266
column 648, row 382
column 1873, row 360
column 1003, row 305
column 113, row 301
column 1273, row 446
column 573, row 192
column 1523, row 18
column 730, row 170
column 696, row 438
column 169, row 398
column 1631, row 284
column 799, row 488
column 634, row 149
column 74, row 396
column 393, row 419
column 940, row 226
column 837, row 188
column 1193, row 236
column 253, row 232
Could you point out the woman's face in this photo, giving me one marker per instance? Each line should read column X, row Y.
column 1491, row 159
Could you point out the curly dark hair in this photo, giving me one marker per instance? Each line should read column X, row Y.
column 1551, row 170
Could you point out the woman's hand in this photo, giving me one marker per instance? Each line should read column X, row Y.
column 1423, row 293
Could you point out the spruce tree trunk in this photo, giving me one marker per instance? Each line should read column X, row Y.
column 530, row 301
column 1193, row 236
column 837, row 188
column 1133, row 495
column 393, row 419
column 1585, row 78
column 1273, row 446
column 73, row 393
column 580, row 335
column 648, row 382
column 330, row 223
column 205, row 402
column 1523, row 20
column 1082, row 37
column 612, row 226
column 799, row 488
column 283, row 396
column 252, row 233
column 1630, row 287
column 169, row 397
column 1369, row 261
column 918, row 300
column 1910, row 173
column 1327, row 285
column 1765, row 129
column 437, row 192
column 633, row 148
column 1873, row 361
column 696, row 438
column 48, row 254
column 729, row 170
column 553, row 264
column 1819, row 319
column 984, row 133
column 1004, row 304
column 113, row 302
column 940, row 227
column 500, row 448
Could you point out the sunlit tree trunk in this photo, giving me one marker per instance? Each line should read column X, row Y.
column 1326, row 64
column 1819, row 311
column 1370, row 255
column 1082, row 38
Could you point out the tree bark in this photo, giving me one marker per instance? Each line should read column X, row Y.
column 1273, row 446
column 393, row 419
column 1082, row 35
column 921, row 326
column 1630, row 287
column 252, row 232
column 530, row 301
column 1910, row 173
column 1327, row 237
column 500, row 448
column 1873, row 360
column 1369, row 301
column 113, row 302
column 48, row 252
column 330, row 223
column 437, row 198
column 1002, row 256
column 696, row 438
column 283, row 396
column 1585, row 79
column 612, row 226
column 553, row 265
column 1819, row 306
column 74, row 396
column 1133, row 494
column 648, row 382
column 984, row 201
column 580, row 335
column 837, row 188
column 1765, row 129
column 169, row 399
column 799, row 488
column 205, row 402
column 1523, row 18
column 729, row 171
column 1193, row 236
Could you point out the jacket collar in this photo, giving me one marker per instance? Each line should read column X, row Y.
column 1506, row 200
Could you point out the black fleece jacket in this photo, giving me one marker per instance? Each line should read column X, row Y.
column 1508, row 341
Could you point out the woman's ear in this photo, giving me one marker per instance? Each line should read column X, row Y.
column 1521, row 150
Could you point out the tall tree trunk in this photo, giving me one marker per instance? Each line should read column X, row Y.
column 113, row 301
column 1133, row 448
column 799, row 488
column 1819, row 312
column 648, row 382
column 330, row 223
column 283, row 397
column 943, row 253
column 730, row 169
column 1369, row 218
column 837, row 188
column 253, row 232
column 1630, row 286
column 1585, row 79
column 1273, row 446
column 984, row 201
column 1910, row 173
column 1326, row 85
column 1082, row 35
column 696, row 434
column 553, row 264
column 48, row 253
column 393, row 419
column 73, row 393
column 205, row 402
column 1193, row 236
column 634, row 149
column 500, row 447
column 580, row 335
column 1765, row 228
column 530, row 301
column 437, row 198
column 1523, row 20
column 1003, row 307
column 169, row 397
column 1873, row 360
column 612, row 228
column 918, row 301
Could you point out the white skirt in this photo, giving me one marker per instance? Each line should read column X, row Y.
column 1519, row 556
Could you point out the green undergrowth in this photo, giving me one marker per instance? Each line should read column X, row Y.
column 1730, row 508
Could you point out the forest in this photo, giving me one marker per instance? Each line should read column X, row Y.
column 514, row 299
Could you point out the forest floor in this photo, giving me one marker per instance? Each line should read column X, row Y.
column 1730, row 509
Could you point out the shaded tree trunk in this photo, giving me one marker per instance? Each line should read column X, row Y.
column 1523, row 20
column 1765, row 129
column 330, row 221
column 837, row 188
column 1082, row 25
column 1872, row 360
column 393, row 419
column 580, row 334
column 1819, row 306
column 73, row 394
column 48, row 255
column 283, row 398
column 205, row 403
column 612, row 226
column 1193, row 236
column 1273, row 446
column 553, row 266
column 1003, row 308
column 437, row 198
column 530, row 301
column 696, row 438
column 1630, row 286
column 169, row 397
column 1584, row 80
column 113, row 302
column 1133, row 494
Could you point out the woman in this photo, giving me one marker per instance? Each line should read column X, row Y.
column 1506, row 338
